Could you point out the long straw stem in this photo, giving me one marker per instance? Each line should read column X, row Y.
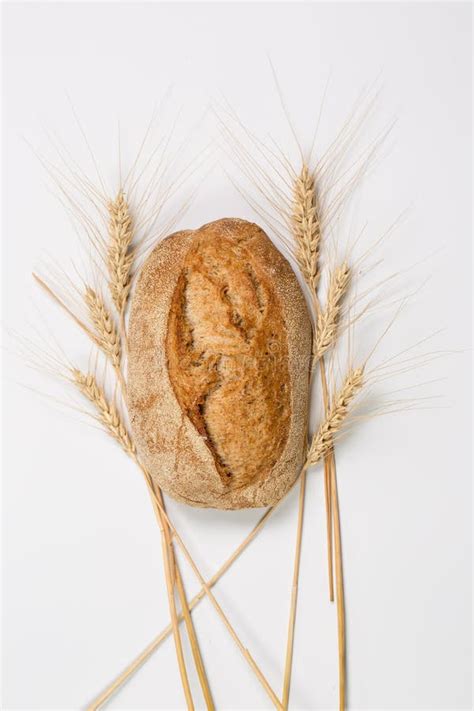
column 299, row 538
column 158, row 506
column 329, row 462
column 341, row 622
column 246, row 654
column 334, row 527
column 138, row 662
column 193, row 639
column 306, row 228
column 294, row 596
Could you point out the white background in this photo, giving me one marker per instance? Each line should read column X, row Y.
column 83, row 583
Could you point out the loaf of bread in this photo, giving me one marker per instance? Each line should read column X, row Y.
column 218, row 367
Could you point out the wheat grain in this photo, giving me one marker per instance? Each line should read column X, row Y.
column 323, row 439
column 120, row 252
column 306, row 226
column 328, row 320
column 105, row 332
column 107, row 413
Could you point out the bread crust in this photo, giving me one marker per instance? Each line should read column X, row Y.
column 176, row 454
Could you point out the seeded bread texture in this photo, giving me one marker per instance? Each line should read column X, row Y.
column 219, row 355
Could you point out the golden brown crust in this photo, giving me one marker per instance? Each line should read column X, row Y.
column 219, row 352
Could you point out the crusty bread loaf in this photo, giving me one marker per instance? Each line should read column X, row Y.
column 219, row 354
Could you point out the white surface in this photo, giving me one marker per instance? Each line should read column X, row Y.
column 83, row 586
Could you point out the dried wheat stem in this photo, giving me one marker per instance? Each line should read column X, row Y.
column 296, row 565
column 109, row 417
column 212, row 598
column 198, row 661
column 153, row 646
column 323, row 439
column 168, row 559
column 120, row 251
column 175, row 575
column 105, row 332
column 327, row 497
column 328, row 319
column 148, row 651
column 326, row 449
column 322, row 450
column 328, row 462
column 107, row 412
column 294, row 595
column 120, row 258
column 341, row 612
column 306, row 226
column 322, row 444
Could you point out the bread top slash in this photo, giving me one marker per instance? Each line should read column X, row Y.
column 227, row 355
column 219, row 352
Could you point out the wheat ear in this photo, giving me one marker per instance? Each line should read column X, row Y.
column 120, row 252
column 323, row 439
column 107, row 413
column 105, row 332
column 306, row 226
column 328, row 319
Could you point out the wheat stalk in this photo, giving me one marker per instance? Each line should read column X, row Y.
column 109, row 417
column 245, row 652
column 323, row 439
column 105, row 335
column 153, row 646
column 322, row 445
column 120, row 252
column 306, row 226
column 107, row 413
column 170, row 574
column 294, row 594
column 105, row 332
column 328, row 319
column 120, row 263
column 333, row 423
column 120, row 256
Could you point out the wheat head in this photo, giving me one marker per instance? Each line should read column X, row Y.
column 105, row 332
column 107, row 412
column 120, row 253
column 306, row 226
column 328, row 319
column 323, row 439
